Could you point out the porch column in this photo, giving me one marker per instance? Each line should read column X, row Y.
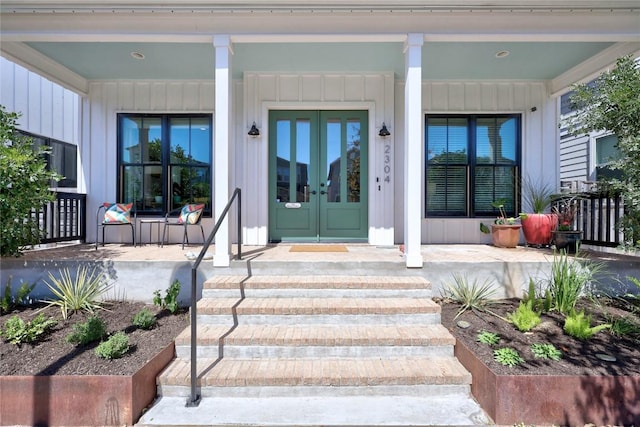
column 222, row 132
column 413, row 149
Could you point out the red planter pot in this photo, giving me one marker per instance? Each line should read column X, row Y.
column 538, row 228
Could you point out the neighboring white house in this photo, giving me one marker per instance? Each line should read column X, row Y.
column 168, row 93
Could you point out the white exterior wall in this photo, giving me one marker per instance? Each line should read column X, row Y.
column 47, row 109
column 105, row 100
column 539, row 135
column 263, row 92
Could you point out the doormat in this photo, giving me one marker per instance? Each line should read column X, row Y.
column 318, row 248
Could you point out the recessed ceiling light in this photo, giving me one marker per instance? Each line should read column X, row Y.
column 137, row 55
column 502, row 54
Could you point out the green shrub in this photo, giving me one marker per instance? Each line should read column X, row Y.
column 507, row 357
column 570, row 278
column 471, row 296
column 579, row 325
column 17, row 331
column 524, row 318
column 24, row 186
column 115, row 347
column 488, row 338
column 144, row 319
column 8, row 301
column 82, row 293
column 170, row 300
column 87, row 332
column 546, row 351
column 624, row 327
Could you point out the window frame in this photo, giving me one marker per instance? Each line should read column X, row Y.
column 472, row 165
column 166, row 163
column 66, row 182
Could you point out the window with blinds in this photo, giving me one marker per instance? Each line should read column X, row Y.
column 472, row 161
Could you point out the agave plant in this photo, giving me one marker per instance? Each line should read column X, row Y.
column 82, row 292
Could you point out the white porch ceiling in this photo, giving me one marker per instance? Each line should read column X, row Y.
column 442, row 60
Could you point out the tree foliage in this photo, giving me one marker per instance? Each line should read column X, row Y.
column 24, row 186
column 612, row 103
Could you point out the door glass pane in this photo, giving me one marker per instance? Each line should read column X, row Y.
column 333, row 166
column 283, row 160
column 353, row 161
column 303, row 159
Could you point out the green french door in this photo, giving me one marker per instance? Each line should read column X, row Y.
column 318, row 175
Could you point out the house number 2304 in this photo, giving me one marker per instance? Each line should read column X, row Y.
column 387, row 163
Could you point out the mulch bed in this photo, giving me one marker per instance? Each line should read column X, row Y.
column 53, row 355
column 579, row 357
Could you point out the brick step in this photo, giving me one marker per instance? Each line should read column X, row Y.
column 317, row 341
column 318, row 310
column 245, row 377
column 316, row 286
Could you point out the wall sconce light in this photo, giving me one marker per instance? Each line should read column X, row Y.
column 384, row 131
column 254, row 131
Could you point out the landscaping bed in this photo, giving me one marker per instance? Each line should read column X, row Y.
column 578, row 389
column 54, row 382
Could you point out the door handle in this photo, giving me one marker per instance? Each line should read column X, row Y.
column 314, row 192
column 323, row 192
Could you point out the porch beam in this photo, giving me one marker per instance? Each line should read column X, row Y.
column 222, row 138
column 413, row 150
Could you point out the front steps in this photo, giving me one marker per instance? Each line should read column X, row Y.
column 335, row 345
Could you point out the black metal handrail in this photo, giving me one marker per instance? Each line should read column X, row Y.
column 194, row 399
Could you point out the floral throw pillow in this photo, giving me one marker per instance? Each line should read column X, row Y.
column 190, row 214
column 117, row 213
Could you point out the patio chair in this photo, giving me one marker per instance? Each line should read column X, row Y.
column 115, row 214
column 190, row 214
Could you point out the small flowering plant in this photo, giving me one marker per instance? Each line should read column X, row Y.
column 502, row 218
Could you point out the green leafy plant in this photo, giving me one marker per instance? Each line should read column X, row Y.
column 536, row 195
column 579, row 325
column 17, row 331
column 9, row 301
column 83, row 292
column 488, row 338
column 570, row 278
column 94, row 329
column 471, row 296
column 624, row 327
column 144, row 319
column 524, row 318
column 612, row 102
column 507, row 357
column 24, row 186
column 546, row 351
column 115, row 347
column 170, row 300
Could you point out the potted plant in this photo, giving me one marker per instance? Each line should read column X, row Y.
column 537, row 224
column 505, row 231
column 566, row 237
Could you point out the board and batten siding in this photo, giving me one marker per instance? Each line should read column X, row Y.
column 318, row 91
column 108, row 98
column 46, row 108
column 539, row 136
